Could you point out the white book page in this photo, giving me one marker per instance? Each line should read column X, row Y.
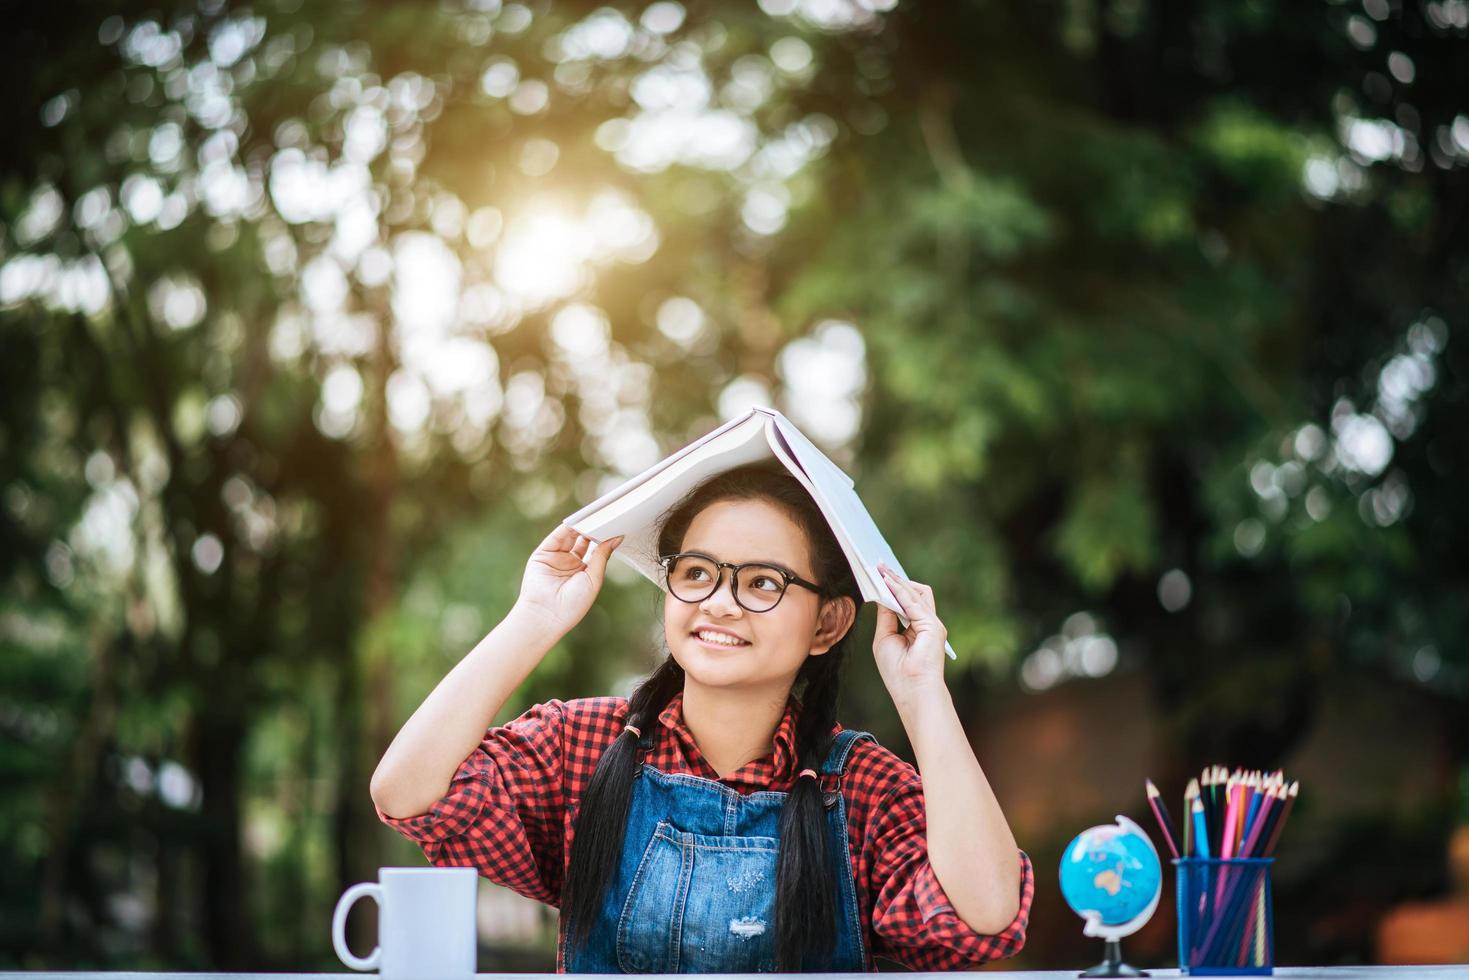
column 861, row 541
column 633, row 508
column 833, row 490
column 653, row 472
column 822, row 492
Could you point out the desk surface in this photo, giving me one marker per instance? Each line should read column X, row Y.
column 1447, row 972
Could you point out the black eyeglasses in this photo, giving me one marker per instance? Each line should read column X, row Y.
column 756, row 586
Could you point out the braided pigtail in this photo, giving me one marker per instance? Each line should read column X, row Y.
column 805, row 905
column 601, row 822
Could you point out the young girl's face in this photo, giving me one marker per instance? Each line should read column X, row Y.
column 777, row 641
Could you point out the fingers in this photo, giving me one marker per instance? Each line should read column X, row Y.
column 581, row 547
column 905, row 591
column 584, row 546
column 915, row 599
column 566, row 539
column 561, row 538
column 598, row 564
column 887, row 624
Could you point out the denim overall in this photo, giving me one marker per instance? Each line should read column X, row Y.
column 695, row 892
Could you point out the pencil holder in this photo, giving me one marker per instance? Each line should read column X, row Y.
column 1225, row 918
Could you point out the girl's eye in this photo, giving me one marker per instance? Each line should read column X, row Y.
column 771, row 583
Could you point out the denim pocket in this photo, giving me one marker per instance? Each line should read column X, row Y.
column 700, row 904
column 653, row 910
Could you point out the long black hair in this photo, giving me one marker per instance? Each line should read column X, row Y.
column 805, row 904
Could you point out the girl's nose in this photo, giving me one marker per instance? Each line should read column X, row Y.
column 722, row 601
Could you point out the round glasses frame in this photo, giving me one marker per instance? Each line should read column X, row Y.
column 787, row 578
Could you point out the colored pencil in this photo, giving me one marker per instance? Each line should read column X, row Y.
column 1221, row 785
column 1257, row 793
column 1201, row 833
column 1160, row 813
column 1226, row 838
column 1271, row 819
column 1290, row 801
column 1252, row 843
column 1231, row 814
column 1210, row 799
column 1247, row 927
column 1260, row 929
column 1190, row 794
column 1244, row 804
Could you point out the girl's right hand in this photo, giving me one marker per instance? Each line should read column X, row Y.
column 560, row 584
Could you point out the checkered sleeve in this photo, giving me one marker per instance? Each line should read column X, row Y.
column 503, row 814
column 912, row 919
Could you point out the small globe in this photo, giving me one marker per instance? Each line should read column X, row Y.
column 1112, row 878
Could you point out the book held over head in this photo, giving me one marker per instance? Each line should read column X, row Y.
column 760, row 434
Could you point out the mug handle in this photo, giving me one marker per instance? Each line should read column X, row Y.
column 339, row 925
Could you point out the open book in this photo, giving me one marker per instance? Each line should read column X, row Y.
column 633, row 508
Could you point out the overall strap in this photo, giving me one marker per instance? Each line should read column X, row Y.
column 841, row 747
column 852, row 951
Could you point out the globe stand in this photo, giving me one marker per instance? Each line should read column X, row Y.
column 1112, row 965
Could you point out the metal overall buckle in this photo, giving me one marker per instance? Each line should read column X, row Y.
column 830, row 797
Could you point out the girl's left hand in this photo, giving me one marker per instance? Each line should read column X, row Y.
column 910, row 661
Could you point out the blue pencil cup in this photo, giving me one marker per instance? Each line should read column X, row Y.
column 1226, row 922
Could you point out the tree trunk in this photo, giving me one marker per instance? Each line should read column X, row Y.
column 73, row 789
column 228, row 929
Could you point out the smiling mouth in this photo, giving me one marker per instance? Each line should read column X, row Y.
column 718, row 645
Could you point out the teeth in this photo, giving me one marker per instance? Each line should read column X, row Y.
column 719, row 638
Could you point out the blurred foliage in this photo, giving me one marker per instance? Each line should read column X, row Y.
column 314, row 318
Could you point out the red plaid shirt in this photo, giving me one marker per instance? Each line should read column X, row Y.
column 510, row 808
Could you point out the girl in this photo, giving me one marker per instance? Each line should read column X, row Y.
column 719, row 819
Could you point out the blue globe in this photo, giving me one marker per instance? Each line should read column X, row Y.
column 1112, row 878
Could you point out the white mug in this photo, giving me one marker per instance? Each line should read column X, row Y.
column 426, row 926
